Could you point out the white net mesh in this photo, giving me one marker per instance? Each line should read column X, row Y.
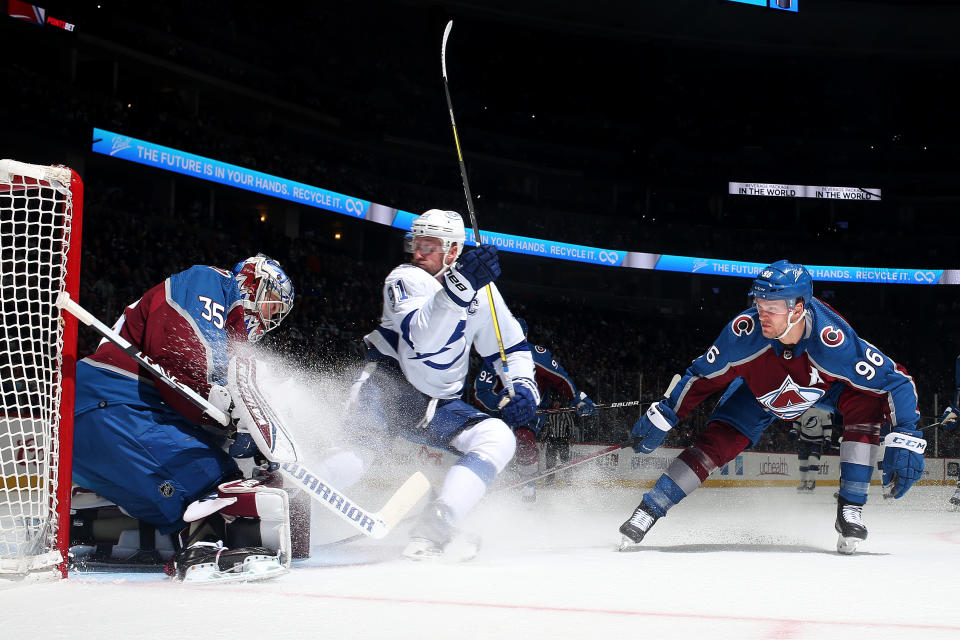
column 35, row 224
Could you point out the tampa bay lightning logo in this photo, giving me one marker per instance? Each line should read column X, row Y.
column 832, row 337
column 742, row 325
column 456, row 340
column 790, row 400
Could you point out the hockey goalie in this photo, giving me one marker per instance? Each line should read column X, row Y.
column 155, row 477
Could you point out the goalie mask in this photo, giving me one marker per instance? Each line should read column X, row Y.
column 266, row 292
column 447, row 226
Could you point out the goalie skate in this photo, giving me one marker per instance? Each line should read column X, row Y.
column 207, row 562
column 850, row 526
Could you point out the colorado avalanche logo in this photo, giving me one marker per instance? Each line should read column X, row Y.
column 790, row 400
column 742, row 325
column 832, row 337
column 540, row 349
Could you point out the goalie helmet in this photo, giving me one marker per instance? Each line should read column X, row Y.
column 259, row 277
column 783, row 280
column 436, row 223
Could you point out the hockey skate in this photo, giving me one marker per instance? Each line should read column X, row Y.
column 434, row 538
column 802, row 487
column 206, row 562
column 849, row 525
column 955, row 498
column 636, row 527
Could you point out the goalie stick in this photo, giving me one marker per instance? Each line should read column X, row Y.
column 505, row 375
column 270, row 436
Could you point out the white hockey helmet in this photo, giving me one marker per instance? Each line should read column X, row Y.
column 437, row 223
column 258, row 277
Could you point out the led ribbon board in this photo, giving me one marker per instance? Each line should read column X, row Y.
column 781, row 5
column 189, row 164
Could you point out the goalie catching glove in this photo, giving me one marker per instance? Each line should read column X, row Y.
column 902, row 460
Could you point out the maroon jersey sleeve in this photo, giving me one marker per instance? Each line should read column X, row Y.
column 168, row 338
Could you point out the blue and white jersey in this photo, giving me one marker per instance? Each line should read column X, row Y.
column 430, row 336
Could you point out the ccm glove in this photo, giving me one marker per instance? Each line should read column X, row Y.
column 472, row 272
column 948, row 421
column 902, row 460
column 521, row 408
column 651, row 429
column 584, row 405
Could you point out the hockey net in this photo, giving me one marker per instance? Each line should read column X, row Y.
column 40, row 228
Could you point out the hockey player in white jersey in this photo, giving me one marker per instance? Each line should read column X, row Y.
column 434, row 311
column 813, row 430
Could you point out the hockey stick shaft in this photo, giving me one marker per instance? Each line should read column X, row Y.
column 573, row 463
column 373, row 524
column 590, row 456
column 609, row 405
column 65, row 302
column 507, row 379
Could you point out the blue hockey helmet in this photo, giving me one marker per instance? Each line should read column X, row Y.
column 783, row 280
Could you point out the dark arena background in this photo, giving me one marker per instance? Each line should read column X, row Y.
column 599, row 138
column 618, row 125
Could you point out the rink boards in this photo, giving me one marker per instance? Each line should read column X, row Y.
column 628, row 469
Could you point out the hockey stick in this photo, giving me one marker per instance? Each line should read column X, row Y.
column 67, row 304
column 610, row 405
column 573, row 463
column 590, row 456
column 505, row 375
column 274, row 442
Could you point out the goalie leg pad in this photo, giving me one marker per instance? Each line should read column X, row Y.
column 260, row 516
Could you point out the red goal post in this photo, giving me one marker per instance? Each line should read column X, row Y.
column 40, row 231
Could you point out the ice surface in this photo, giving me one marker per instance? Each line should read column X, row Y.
column 727, row 563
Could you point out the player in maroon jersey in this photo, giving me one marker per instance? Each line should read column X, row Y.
column 140, row 445
column 776, row 360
